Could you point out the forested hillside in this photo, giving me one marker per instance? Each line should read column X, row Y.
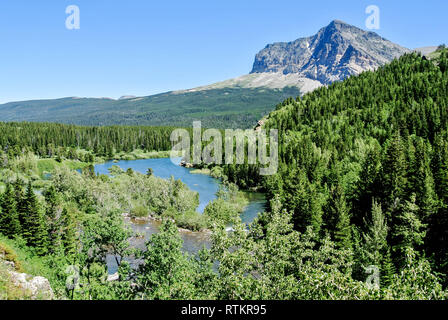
column 50, row 139
column 233, row 107
column 366, row 162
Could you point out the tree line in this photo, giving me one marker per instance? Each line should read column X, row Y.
column 51, row 139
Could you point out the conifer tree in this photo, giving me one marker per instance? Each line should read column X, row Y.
column 394, row 175
column 376, row 249
column 421, row 181
column 367, row 186
column 409, row 231
column 68, row 229
column 443, row 63
column 19, row 198
column 9, row 219
column 52, row 218
column 376, row 237
column 439, row 167
column 387, row 269
column 34, row 230
column 342, row 233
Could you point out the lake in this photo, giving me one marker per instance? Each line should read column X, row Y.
column 205, row 185
column 164, row 168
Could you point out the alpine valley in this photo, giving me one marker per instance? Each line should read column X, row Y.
column 92, row 206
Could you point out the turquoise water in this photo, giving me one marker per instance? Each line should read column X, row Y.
column 257, row 204
column 164, row 168
column 205, row 185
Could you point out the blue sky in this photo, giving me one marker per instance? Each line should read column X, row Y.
column 142, row 47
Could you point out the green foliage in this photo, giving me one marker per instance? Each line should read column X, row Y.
column 378, row 136
column 220, row 211
column 415, row 282
column 228, row 206
column 362, row 181
column 26, row 260
column 165, row 272
column 216, row 108
column 342, row 234
column 139, row 211
column 34, row 229
column 376, row 237
column 77, row 143
column 9, row 218
column 409, row 231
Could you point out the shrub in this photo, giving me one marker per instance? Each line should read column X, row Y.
column 139, row 211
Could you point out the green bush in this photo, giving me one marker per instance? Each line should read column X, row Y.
column 139, row 211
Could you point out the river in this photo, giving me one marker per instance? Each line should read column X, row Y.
column 205, row 185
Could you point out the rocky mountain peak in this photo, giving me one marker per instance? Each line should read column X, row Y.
column 336, row 52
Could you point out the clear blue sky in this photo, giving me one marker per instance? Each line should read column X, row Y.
column 142, row 47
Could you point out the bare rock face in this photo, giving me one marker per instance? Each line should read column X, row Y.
column 38, row 288
column 113, row 277
column 333, row 54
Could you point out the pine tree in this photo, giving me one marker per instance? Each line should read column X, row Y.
column 68, row 229
column 376, row 237
column 34, row 230
column 52, row 218
column 19, row 198
column 394, row 175
column 421, row 181
column 367, row 186
column 376, row 249
column 443, row 63
column 342, row 234
column 439, row 166
column 387, row 269
column 9, row 219
column 409, row 231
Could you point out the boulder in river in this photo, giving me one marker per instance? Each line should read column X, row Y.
column 186, row 164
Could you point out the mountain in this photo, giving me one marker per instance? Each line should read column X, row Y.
column 280, row 70
column 426, row 50
column 263, row 80
column 333, row 54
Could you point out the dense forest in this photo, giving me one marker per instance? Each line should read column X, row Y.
column 361, row 193
column 50, row 139
column 365, row 161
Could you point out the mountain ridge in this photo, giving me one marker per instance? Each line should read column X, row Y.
column 280, row 70
column 337, row 51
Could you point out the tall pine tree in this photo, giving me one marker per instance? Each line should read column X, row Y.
column 34, row 230
column 9, row 219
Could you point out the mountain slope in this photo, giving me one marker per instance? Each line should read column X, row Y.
column 220, row 108
column 334, row 53
column 281, row 70
column 263, row 80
